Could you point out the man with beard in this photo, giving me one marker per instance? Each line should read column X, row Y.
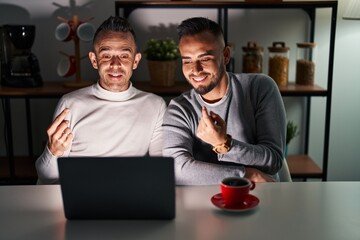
column 228, row 124
column 110, row 117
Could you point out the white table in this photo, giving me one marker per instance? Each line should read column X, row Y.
column 298, row 210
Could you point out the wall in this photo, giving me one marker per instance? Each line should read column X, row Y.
column 343, row 159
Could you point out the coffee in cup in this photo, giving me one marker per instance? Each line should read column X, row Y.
column 235, row 190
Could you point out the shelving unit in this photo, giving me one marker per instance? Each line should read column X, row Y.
column 301, row 166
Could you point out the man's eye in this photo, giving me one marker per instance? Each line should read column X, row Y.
column 186, row 61
column 124, row 56
column 205, row 59
column 106, row 56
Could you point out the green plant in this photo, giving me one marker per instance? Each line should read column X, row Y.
column 291, row 131
column 162, row 49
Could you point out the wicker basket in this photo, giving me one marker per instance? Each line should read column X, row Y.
column 162, row 73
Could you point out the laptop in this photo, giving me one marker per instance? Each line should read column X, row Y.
column 117, row 187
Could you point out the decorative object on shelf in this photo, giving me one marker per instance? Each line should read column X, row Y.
column 76, row 30
column 291, row 132
column 162, row 56
column 279, row 63
column 252, row 58
column 305, row 63
column 19, row 67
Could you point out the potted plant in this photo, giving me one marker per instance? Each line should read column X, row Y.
column 162, row 55
column 291, row 132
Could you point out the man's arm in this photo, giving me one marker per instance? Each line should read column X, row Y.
column 178, row 143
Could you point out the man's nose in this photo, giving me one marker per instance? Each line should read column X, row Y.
column 197, row 67
column 115, row 61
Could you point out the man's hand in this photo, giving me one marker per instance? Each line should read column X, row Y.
column 212, row 128
column 257, row 176
column 59, row 134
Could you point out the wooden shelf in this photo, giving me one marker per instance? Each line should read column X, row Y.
column 58, row 88
column 302, row 166
column 302, row 90
column 182, row 86
column 177, row 89
column 49, row 89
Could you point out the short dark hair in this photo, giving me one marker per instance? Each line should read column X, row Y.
column 114, row 24
column 196, row 25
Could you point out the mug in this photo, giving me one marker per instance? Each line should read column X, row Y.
column 65, row 31
column 235, row 190
column 67, row 66
column 85, row 32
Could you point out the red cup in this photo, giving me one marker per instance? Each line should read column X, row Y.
column 235, row 190
column 85, row 32
column 65, row 31
column 66, row 67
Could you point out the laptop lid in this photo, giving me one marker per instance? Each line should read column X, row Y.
column 117, row 187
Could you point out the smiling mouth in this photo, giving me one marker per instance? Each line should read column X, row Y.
column 199, row 78
column 116, row 75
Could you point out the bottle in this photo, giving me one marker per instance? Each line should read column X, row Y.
column 305, row 63
column 252, row 58
column 279, row 63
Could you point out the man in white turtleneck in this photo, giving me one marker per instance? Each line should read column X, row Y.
column 111, row 117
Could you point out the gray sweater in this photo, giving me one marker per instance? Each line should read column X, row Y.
column 255, row 115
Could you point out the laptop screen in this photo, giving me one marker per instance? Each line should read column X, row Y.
column 117, row 187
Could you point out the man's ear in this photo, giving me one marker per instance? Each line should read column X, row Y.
column 93, row 60
column 136, row 60
column 226, row 54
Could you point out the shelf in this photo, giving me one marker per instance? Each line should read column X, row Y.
column 49, row 89
column 302, row 90
column 182, row 86
column 177, row 89
column 302, row 166
column 58, row 88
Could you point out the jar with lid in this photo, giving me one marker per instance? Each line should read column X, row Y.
column 279, row 63
column 305, row 63
column 252, row 58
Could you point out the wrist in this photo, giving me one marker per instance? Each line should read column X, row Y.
column 224, row 147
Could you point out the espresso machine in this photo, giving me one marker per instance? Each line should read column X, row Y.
column 19, row 66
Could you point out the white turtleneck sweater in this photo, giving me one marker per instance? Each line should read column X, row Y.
column 107, row 124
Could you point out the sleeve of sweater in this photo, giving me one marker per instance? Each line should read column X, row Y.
column 156, row 144
column 178, row 143
column 264, row 127
column 46, row 164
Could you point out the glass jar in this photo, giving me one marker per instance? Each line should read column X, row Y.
column 305, row 63
column 279, row 63
column 252, row 58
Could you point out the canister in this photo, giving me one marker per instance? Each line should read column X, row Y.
column 279, row 63
column 305, row 63
column 252, row 58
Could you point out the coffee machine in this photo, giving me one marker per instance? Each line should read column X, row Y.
column 19, row 66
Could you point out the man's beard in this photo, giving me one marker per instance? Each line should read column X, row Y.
column 203, row 89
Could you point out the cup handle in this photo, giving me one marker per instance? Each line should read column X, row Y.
column 252, row 185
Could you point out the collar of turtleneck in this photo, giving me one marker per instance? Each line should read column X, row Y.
column 104, row 94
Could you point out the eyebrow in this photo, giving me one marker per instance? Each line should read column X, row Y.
column 125, row 49
column 210, row 52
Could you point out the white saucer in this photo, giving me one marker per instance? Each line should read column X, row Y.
column 250, row 203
